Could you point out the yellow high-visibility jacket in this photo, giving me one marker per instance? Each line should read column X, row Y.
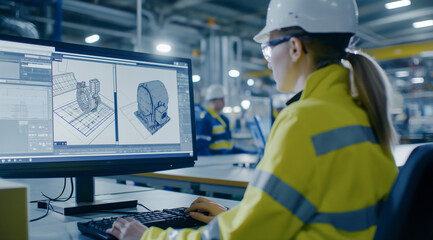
column 323, row 174
column 213, row 133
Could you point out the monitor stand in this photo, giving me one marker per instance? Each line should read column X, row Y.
column 85, row 200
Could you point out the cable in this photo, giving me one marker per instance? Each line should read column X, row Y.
column 63, row 190
column 70, row 194
column 56, row 199
column 46, row 213
column 139, row 204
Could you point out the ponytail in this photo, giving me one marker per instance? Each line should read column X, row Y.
column 373, row 89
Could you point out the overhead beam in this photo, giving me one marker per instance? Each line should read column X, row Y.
column 405, row 32
column 371, row 8
column 400, row 51
column 371, row 37
column 83, row 27
column 413, row 38
column 181, row 4
column 229, row 14
column 395, row 19
column 257, row 74
column 104, row 13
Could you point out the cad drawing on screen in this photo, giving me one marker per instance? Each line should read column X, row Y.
column 152, row 99
column 83, row 110
column 88, row 96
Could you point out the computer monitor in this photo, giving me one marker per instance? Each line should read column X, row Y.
column 257, row 137
column 260, row 110
column 264, row 126
column 79, row 111
column 259, row 132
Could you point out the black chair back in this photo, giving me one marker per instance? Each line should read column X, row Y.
column 408, row 211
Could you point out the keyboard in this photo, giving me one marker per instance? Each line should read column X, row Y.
column 175, row 218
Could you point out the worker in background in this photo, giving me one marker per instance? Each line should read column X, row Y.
column 213, row 128
column 327, row 164
column 198, row 111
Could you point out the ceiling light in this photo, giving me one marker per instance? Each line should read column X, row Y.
column 400, row 74
column 426, row 23
column 163, row 47
column 246, row 104
column 417, row 80
column 234, row 73
column 195, row 78
column 237, row 109
column 397, row 4
column 92, row 38
column 227, row 110
column 250, row 82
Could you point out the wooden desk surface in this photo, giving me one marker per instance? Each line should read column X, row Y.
column 221, row 174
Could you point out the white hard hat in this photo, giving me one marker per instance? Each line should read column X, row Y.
column 214, row 91
column 314, row 16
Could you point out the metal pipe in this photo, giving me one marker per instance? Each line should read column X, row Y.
column 104, row 13
column 58, row 22
column 139, row 26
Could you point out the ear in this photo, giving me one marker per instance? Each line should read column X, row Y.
column 295, row 49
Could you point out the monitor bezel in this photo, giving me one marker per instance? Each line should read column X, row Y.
column 102, row 167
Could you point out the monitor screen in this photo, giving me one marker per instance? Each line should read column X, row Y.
column 260, row 111
column 70, row 110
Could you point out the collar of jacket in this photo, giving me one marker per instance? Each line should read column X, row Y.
column 216, row 115
column 294, row 98
column 332, row 79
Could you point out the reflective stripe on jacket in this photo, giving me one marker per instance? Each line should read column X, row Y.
column 323, row 174
column 213, row 134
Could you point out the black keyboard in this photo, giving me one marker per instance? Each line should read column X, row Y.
column 175, row 218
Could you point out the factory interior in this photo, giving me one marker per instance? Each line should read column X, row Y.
column 213, row 40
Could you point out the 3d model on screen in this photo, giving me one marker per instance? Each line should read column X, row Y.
column 63, row 83
column 83, row 108
column 88, row 96
column 152, row 99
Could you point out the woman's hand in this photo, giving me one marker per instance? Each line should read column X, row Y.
column 127, row 229
column 202, row 205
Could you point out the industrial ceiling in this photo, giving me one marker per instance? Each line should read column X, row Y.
column 190, row 20
column 185, row 23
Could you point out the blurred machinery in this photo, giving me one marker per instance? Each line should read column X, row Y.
column 152, row 99
column 88, row 96
column 18, row 27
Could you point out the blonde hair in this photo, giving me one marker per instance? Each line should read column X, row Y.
column 374, row 91
column 371, row 82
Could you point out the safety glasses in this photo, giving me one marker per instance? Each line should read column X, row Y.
column 267, row 46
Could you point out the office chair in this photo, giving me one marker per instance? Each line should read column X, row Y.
column 407, row 213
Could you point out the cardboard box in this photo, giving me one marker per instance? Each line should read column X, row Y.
column 13, row 210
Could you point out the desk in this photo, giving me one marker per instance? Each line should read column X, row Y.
column 57, row 226
column 401, row 153
column 211, row 179
column 211, row 174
